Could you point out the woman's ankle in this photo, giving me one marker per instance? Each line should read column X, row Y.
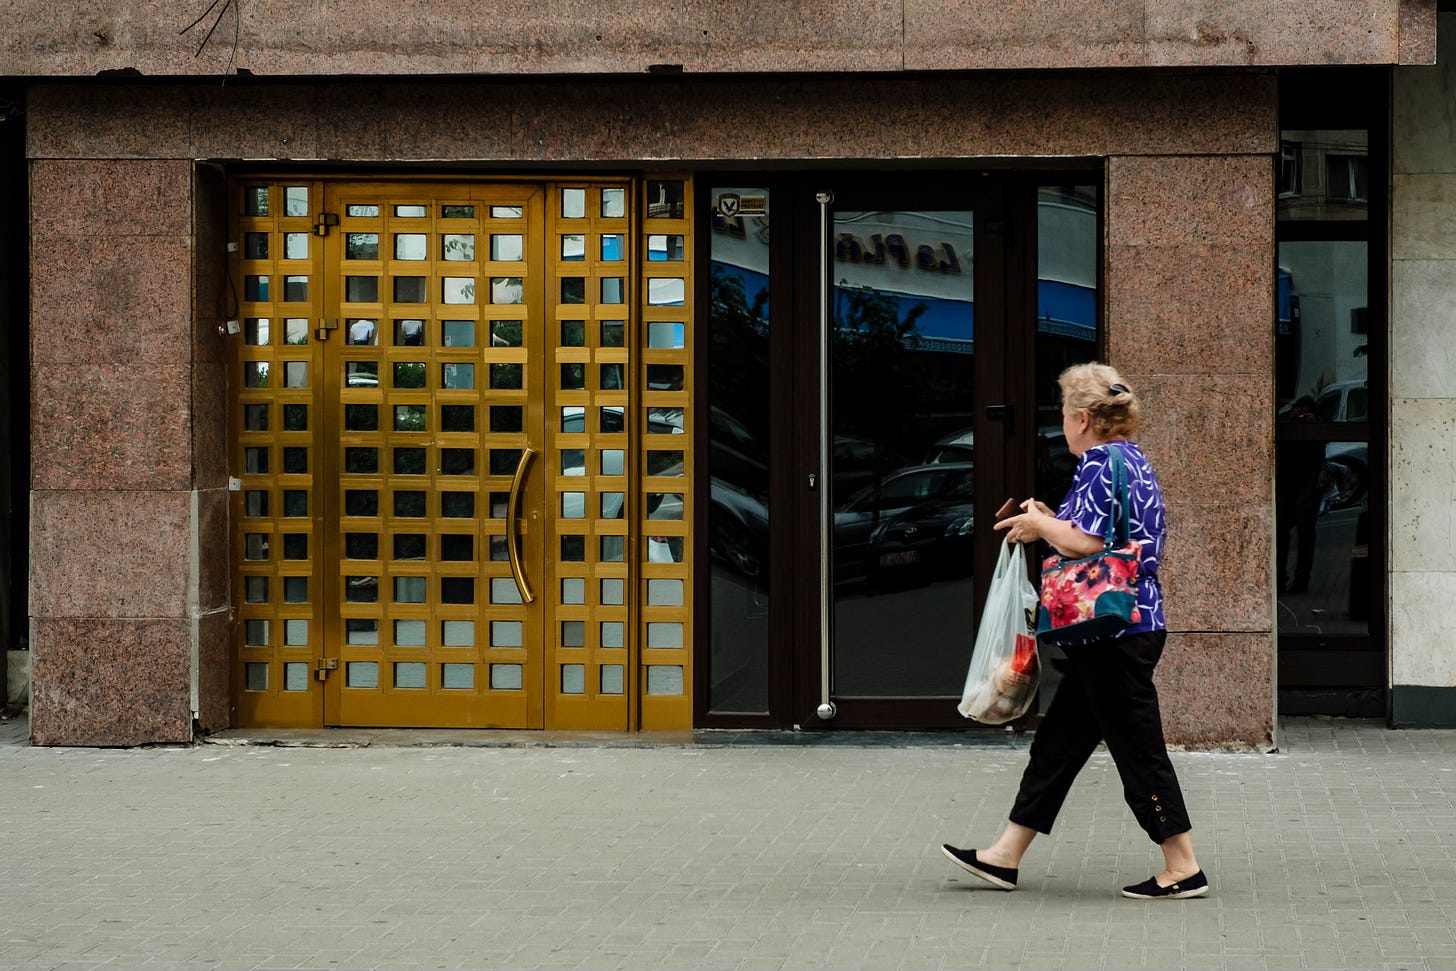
column 997, row 855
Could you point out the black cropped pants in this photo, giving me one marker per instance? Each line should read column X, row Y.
column 1106, row 694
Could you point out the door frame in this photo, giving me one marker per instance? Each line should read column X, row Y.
column 665, row 709
column 1005, row 201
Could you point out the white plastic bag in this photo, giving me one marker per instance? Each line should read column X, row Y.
column 1004, row 667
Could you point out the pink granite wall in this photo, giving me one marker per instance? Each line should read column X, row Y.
column 1190, row 296
column 112, row 457
column 301, row 38
column 133, row 415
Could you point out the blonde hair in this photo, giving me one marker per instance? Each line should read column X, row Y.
column 1105, row 395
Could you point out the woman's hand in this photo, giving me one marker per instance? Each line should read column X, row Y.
column 1036, row 521
column 1028, row 525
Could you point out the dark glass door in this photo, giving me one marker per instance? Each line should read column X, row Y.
column 915, row 385
column 881, row 359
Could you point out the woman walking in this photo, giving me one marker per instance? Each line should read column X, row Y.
column 1107, row 693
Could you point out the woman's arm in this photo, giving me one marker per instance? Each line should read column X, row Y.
column 1037, row 522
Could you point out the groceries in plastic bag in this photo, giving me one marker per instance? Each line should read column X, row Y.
column 1005, row 671
column 1007, row 693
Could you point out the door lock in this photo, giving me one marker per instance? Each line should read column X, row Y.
column 324, row 666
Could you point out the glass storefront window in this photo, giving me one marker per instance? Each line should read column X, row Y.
column 1322, row 482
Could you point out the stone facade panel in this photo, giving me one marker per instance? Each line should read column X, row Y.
column 110, row 681
column 102, row 299
column 963, row 117
column 1216, row 690
column 1422, row 475
column 1172, row 200
column 110, row 197
column 1210, row 436
column 1215, row 567
column 1191, row 307
column 108, row 426
column 1420, row 298
column 111, row 554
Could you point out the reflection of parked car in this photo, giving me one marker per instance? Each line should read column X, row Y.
column 737, row 455
column 917, row 517
column 738, row 530
column 738, row 496
column 929, row 541
column 1055, row 465
column 956, row 447
column 857, row 463
column 1343, row 401
column 1344, row 476
column 1347, row 464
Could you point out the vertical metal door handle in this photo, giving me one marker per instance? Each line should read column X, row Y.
column 827, row 709
column 513, row 544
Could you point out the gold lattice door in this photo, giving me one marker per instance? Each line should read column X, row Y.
column 463, row 454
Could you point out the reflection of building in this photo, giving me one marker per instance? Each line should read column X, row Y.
column 522, row 209
column 1323, row 174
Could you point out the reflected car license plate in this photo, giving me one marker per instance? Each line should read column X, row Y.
column 899, row 558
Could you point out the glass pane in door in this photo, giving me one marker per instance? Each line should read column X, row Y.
column 902, row 349
column 739, row 423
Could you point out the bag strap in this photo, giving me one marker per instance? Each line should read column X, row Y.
column 1119, row 527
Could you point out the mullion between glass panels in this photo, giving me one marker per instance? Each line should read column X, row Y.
column 599, row 293
column 665, row 376
column 363, row 495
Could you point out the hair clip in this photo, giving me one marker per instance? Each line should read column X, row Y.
column 1119, row 389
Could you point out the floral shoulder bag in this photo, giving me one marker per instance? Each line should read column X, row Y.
column 1095, row 596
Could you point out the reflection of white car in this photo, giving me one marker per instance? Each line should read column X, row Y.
column 1343, row 401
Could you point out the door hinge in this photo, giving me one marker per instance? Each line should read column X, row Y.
column 323, row 666
column 326, row 324
column 324, row 221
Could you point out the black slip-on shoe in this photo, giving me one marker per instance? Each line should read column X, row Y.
column 1194, row 886
column 1001, row 877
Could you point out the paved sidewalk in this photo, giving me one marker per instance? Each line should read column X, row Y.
column 1338, row 851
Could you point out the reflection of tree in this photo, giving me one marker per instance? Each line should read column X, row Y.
column 460, row 248
column 409, row 418
column 507, row 333
column 409, row 374
column 880, row 387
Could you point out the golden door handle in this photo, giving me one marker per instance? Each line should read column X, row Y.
column 513, row 545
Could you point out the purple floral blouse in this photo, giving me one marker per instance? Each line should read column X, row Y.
column 1090, row 500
